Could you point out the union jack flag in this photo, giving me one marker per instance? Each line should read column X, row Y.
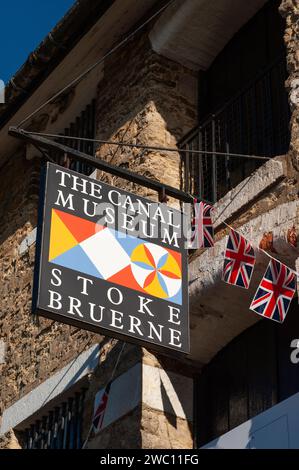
column 101, row 401
column 202, row 234
column 275, row 292
column 238, row 261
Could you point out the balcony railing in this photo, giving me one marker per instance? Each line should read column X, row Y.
column 83, row 126
column 255, row 122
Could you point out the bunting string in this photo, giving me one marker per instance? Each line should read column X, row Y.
column 261, row 249
column 277, row 287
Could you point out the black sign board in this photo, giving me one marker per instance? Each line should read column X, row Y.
column 111, row 262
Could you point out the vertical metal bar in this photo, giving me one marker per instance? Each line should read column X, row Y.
column 227, row 159
column 200, row 170
column 81, row 131
column 191, row 181
column 55, row 428
column 37, row 434
column 72, row 133
column 77, row 133
column 43, row 433
column 269, row 117
column 84, row 133
column 82, row 166
column 227, row 167
column 50, row 430
column 207, row 194
column 187, row 168
column 79, row 420
column 71, row 423
column 77, row 165
column 214, row 161
column 65, row 427
column 27, row 437
column 31, row 435
column 220, row 162
column 66, row 157
column 93, row 124
column 90, row 132
column 76, row 418
column 46, row 433
column 89, row 145
column 60, row 427
column 59, row 157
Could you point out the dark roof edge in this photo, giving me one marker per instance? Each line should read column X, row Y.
column 51, row 51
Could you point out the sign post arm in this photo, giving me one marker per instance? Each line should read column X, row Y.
column 42, row 142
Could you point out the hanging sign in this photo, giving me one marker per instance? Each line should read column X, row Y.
column 111, row 262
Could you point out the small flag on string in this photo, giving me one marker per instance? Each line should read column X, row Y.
column 239, row 260
column 100, row 405
column 275, row 292
column 202, row 231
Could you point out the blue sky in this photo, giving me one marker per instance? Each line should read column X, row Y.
column 23, row 25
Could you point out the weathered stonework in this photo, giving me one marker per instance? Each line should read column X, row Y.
column 145, row 99
column 157, row 419
column 124, row 434
column 145, row 428
column 109, row 353
column 153, row 102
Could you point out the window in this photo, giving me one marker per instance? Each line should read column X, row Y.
column 83, row 126
column 243, row 108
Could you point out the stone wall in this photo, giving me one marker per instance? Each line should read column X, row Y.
column 123, row 434
column 164, row 429
column 152, row 421
column 109, row 354
column 145, row 428
column 145, row 99
column 290, row 11
column 34, row 347
column 160, row 430
column 9, row 441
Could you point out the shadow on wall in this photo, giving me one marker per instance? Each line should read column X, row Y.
column 122, row 419
column 170, row 415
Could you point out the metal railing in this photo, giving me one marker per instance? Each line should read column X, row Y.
column 255, row 122
column 82, row 126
